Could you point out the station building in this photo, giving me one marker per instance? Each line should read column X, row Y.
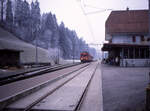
column 127, row 36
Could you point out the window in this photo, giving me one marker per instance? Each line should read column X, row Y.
column 142, row 38
column 148, row 39
column 133, row 39
column 110, row 41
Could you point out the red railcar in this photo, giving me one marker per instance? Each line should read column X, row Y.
column 85, row 57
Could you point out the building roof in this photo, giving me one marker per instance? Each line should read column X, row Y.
column 128, row 21
column 11, row 50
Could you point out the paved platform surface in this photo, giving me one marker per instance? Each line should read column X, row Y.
column 67, row 97
column 94, row 99
column 124, row 88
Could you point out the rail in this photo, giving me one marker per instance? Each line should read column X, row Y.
column 32, row 73
column 61, row 85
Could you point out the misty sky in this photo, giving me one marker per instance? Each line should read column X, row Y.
column 91, row 27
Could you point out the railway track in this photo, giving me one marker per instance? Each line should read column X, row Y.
column 67, row 94
column 36, row 72
column 16, row 90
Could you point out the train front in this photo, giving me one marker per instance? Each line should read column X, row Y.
column 84, row 57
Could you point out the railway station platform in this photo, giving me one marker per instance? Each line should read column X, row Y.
column 82, row 88
column 94, row 98
column 15, row 90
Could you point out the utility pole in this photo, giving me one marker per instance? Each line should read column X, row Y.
column 58, row 54
column 37, row 32
column 36, row 53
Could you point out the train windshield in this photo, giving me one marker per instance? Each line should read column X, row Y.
column 83, row 55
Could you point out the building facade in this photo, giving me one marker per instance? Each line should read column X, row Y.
column 127, row 36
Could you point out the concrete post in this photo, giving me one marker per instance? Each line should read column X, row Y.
column 145, row 53
column 122, row 53
column 128, row 53
column 139, row 53
column 122, row 64
column 134, row 52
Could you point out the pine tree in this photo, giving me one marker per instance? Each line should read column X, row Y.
column 50, row 30
column 2, row 9
column 25, row 14
column 9, row 13
column 46, row 29
column 55, row 34
column 18, row 13
column 35, row 19
column 35, row 13
column 64, row 41
column 51, row 24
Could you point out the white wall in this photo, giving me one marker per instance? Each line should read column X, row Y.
column 134, row 62
column 121, row 39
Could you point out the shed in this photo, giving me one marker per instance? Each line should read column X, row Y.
column 9, row 57
column 25, row 51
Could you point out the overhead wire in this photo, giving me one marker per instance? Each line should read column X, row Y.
column 90, row 6
column 87, row 20
column 98, row 11
column 83, row 5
